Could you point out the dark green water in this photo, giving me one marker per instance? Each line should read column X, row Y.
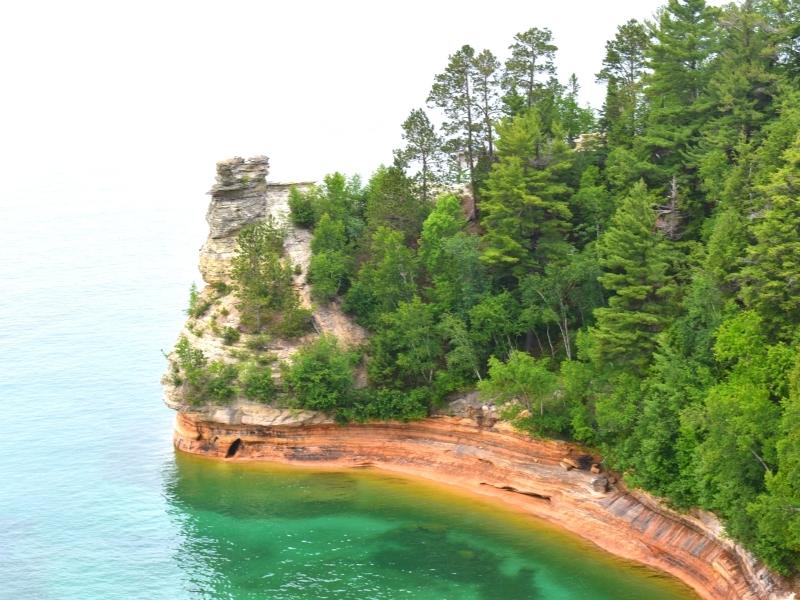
column 262, row 531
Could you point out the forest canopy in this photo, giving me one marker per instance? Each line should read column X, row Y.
column 627, row 277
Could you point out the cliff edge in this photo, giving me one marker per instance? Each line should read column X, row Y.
column 467, row 448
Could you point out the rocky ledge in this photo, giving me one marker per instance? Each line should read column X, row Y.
column 553, row 480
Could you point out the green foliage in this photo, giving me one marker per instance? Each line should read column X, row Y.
column 198, row 306
column 230, row 335
column 321, row 376
column 387, row 278
column 528, row 382
column 202, row 381
column 406, row 349
column 635, row 260
column 524, row 210
column 392, row 203
column 770, row 282
column 257, row 383
column 423, row 150
column 303, row 206
column 328, row 274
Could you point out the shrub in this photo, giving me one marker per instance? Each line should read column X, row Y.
column 222, row 288
column 197, row 305
column 221, row 381
column 257, row 382
column 258, row 342
column 230, row 335
column 328, row 274
column 386, row 404
column 321, row 375
column 294, row 322
column 302, row 206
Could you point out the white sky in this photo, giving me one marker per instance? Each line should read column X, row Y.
column 153, row 93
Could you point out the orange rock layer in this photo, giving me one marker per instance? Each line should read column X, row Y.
column 526, row 473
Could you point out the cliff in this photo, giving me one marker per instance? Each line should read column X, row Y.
column 468, row 448
column 531, row 475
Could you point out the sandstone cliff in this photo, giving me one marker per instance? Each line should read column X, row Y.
column 240, row 196
column 469, row 448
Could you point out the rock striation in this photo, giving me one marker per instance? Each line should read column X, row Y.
column 525, row 473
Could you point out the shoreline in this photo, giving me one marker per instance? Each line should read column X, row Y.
column 524, row 474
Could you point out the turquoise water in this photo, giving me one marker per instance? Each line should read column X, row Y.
column 94, row 504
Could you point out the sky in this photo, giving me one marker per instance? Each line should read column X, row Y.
column 151, row 94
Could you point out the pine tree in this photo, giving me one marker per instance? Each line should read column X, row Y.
column 623, row 68
column 487, row 95
column 532, row 55
column 523, row 208
column 423, row 150
column 771, row 280
column 677, row 93
column 453, row 92
column 635, row 260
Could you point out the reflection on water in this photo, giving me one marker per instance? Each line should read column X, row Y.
column 257, row 531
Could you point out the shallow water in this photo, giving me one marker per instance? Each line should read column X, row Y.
column 94, row 504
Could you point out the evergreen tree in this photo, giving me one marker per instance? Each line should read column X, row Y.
column 524, row 210
column 677, row 90
column 623, row 69
column 423, row 150
column 487, row 94
column 635, row 261
column 391, row 202
column 453, row 92
column 531, row 61
column 771, row 279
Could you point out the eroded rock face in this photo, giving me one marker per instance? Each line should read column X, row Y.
column 517, row 470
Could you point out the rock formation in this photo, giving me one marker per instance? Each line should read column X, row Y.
column 467, row 446
column 520, row 471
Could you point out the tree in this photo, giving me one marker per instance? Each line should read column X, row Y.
column 742, row 418
column 385, row 279
column 423, row 150
column 573, row 118
column 677, row 90
column 635, row 262
column 487, row 95
column 771, row 279
column 524, row 210
column 623, row 69
column 391, row 202
column 527, row 381
column 453, row 92
column 777, row 511
column 451, row 258
column 263, row 279
column 532, row 55
column 406, row 349
column 321, row 375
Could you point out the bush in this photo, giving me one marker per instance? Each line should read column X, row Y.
column 258, row 342
column 386, row 404
column 222, row 288
column 230, row 335
column 202, row 381
column 328, row 274
column 302, row 206
column 257, row 383
column 294, row 322
column 321, row 376
column 221, row 381
column 197, row 305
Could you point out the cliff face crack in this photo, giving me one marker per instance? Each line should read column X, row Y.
column 508, row 488
column 234, row 448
